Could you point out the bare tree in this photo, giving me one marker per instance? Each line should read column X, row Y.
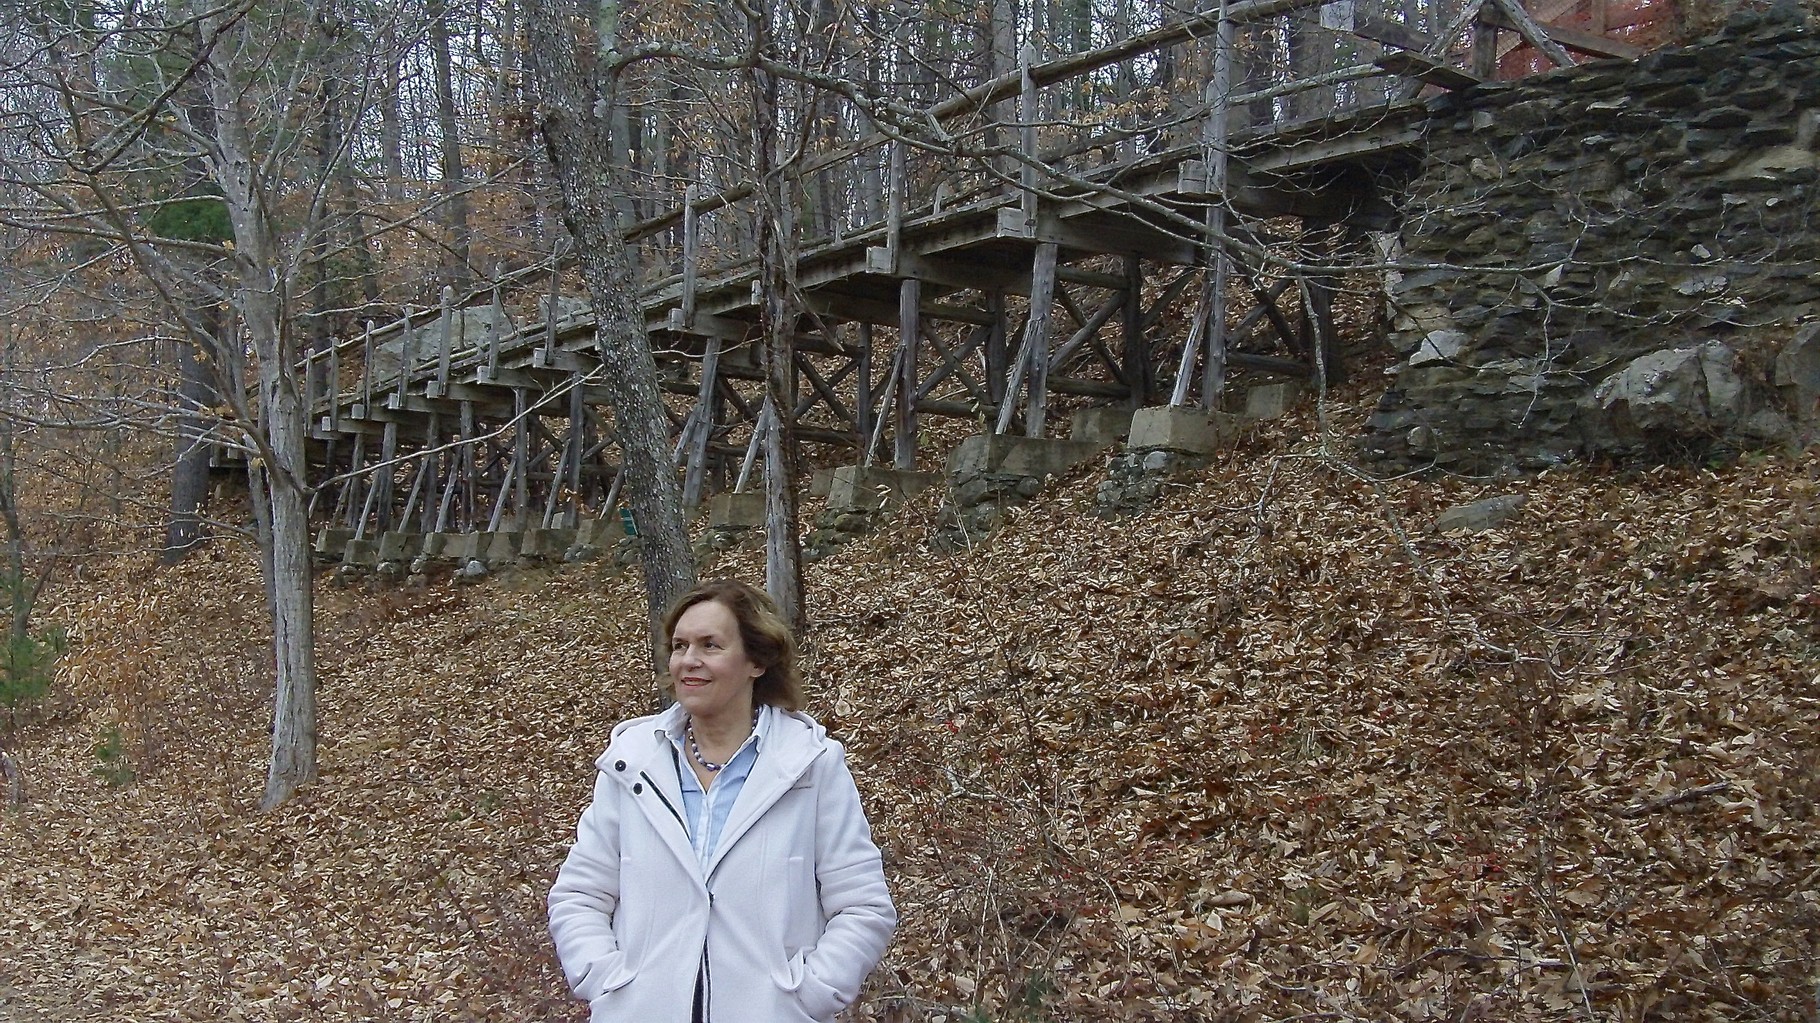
column 571, row 60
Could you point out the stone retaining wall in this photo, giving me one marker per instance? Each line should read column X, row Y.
column 1610, row 260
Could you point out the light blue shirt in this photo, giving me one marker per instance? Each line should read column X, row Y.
column 706, row 813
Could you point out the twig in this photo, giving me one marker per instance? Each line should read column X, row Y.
column 1675, row 799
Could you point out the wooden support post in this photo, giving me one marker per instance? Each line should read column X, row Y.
column 351, row 495
column 1484, row 48
column 334, row 389
column 704, row 426
column 1219, row 123
column 439, row 466
column 1317, row 321
column 550, row 314
column 578, row 419
column 554, row 496
column 609, row 503
column 521, row 455
column 1191, row 348
column 407, row 355
column 366, row 372
column 1138, row 375
column 753, row 445
column 878, row 424
column 309, row 391
column 425, row 466
column 447, row 341
column 691, row 249
column 1042, row 296
column 894, row 214
column 998, row 355
column 493, row 330
column 513, row 474
column 379, row 489
column 862, row 407
column 909, row 325
column 470, row 466
column 1028, row 114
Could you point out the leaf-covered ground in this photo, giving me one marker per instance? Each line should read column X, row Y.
column 1276, row 750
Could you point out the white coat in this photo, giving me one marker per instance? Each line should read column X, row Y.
column 789, row 915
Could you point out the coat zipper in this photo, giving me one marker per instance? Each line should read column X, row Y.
column 659, row 793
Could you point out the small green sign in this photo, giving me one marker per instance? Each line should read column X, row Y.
column 626, row 520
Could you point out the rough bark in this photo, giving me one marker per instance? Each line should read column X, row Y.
column 259, row 294
column 576, row 95
column 777, row 244
column 454, row 177
column 190, row 471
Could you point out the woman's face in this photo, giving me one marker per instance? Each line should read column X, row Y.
column 708, row 663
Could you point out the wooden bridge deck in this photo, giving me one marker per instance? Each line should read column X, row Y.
column 493, row 421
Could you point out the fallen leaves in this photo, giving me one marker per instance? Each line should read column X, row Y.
column 1272, row 751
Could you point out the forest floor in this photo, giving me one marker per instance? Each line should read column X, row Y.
column 1274, row 750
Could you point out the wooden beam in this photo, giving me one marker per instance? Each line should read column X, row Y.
column 1532, row 33
column 1578, row 40
column 1423, row 68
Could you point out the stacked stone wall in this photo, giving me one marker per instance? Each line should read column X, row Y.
column 1608, row 261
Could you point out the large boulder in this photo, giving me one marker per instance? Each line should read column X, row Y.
column 1679, row 398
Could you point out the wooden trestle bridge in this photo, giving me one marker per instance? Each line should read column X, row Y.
column 937, row 286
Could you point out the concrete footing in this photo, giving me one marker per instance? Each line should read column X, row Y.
column 462, row 548
column 546, row 544
column 503, row 547
column 1271, row 401
column 332, row 540
column 399, row 546
column 363, row 553
column 744, row 510
column 873, row 488
column 1105, row 424
column 1185, row 430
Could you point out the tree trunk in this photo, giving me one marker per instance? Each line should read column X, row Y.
column 190, row 472
column 777, row 246
column 454, row 180
column 281, row 423
column 574, row 130
column 391, row 117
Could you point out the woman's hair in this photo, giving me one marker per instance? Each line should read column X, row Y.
column 762, row 631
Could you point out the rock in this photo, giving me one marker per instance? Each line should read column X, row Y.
column 1682, row 391
column 473, row 571
column 1797, row 374
column 1480, row 515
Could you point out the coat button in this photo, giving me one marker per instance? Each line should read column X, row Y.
column 619, row 765
column 638, row 787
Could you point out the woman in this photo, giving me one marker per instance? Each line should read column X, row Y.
column 724, row 872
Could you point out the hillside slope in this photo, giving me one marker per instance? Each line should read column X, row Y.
column 1275, row 750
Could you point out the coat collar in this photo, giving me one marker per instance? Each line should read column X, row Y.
column 788, row 745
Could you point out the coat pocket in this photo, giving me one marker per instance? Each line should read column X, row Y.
column 605, row 976
column 803, row 914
